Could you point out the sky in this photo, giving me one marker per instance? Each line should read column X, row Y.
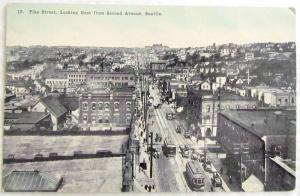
column 178, row 26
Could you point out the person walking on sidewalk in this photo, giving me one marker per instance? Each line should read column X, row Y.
column 221, row 170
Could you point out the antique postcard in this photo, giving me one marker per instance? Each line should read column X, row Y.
column 120, row 98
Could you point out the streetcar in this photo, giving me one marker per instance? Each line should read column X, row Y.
column 195, row 176
column 169, row 148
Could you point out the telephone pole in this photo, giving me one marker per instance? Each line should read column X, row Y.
column 151, row 155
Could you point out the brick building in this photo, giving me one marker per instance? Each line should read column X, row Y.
column 252, row 138
column 109, row 109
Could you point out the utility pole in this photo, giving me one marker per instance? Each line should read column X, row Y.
column 151, row 155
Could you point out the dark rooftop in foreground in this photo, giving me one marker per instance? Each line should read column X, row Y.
column 54, row 106
column 26, row 117
column 264, row 122
column 31, row 181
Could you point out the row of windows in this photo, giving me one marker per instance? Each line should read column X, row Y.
column 208, row 108
column 110, row 77
column 76, row 76
column 106, row 106
column 76, row 80
column 56, row 82
column 108, row 83
column 286, row 100
column 100, row 119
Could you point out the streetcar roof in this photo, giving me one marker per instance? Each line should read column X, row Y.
column 195, row 168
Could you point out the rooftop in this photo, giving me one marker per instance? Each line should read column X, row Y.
column 30, row 181
column 26, row 117
column 81, row 175
column 54, row 106
column 264, row 122
column 224, row 95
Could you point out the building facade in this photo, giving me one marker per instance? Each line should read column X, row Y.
column 205, row 105
column 251, row 138
column 109, row 109
column 107, row 80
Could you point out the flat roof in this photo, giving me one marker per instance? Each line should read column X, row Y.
column 28, row 146
column 264, row 122
column 80, row 175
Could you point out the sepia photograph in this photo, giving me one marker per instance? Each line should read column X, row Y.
column 149, row 98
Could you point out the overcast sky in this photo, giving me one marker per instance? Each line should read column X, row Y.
column 177, row 27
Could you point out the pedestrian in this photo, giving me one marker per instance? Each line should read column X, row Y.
column 221, row 170
column 211, row 188
column 230, row 179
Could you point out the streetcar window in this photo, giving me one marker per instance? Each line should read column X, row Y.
column 194, row 181
column 200, row 181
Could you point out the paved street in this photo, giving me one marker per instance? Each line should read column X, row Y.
column 170, row 171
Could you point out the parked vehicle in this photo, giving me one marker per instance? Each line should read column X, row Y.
column 169, row 116
column 185, row 151
column 207, row 166
column 216, row 180
column 194, row 175
column 178, row 129
column 187, row 134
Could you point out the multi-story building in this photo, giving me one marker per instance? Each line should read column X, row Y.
column 57, row 83
column 75, row 78
column 249, row 56
column 203, row 108
column 106, row 80
column 254, row 140
column 109, row 109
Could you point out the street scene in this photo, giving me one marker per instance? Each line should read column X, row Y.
column 161, row 115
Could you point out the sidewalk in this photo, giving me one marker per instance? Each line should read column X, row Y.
column 142, row 180
column 217, row 165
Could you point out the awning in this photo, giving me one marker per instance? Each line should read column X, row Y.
column 252, row 184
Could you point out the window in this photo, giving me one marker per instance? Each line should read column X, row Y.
column 292, row 100
column 131, row 78
column 128, row 119
column 106, row 106
column 84, row 106
column 279, row 100
column 84, row 118
column 128, row 106
column 116, row 106
column 100, row 106
column 286, row 101
column 106, row 119
column 93, row 118
column 100, row 119
column 208, row 108
column 93, row 106
column 200, row 181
